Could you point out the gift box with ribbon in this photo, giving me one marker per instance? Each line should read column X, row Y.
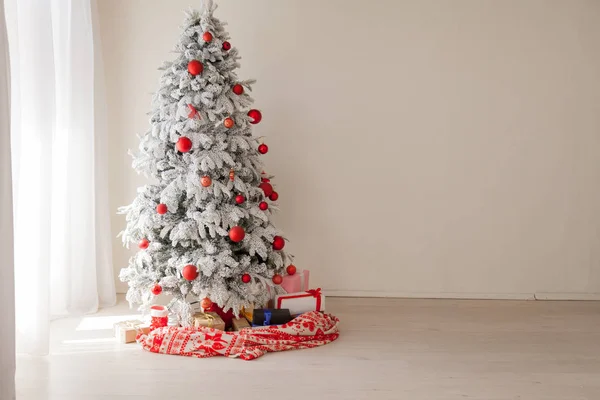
column 297, row 282
column 240, row 323
column 209, row 320
column 247, row 313
column 127, row 331
column 301, row 302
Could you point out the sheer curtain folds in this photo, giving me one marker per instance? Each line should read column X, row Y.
column 7, row 327
column 62, row 234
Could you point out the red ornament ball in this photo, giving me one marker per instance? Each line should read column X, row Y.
column 255, row 115
column 206, row 303
column 236, row 234
column 274, row 196
column 195, row 67
column 226, row 46
column 267, row 188
column 144, row 243
column 156, row 289
column 205, row 181
column 278, row 243
column 240, row 199
column 265, row 180
column 207, row 36
column 263, row 148
column 277, row 279
column 162, row 209
column 228, row 122
column 184, row 144
column 246, row 278
column 291, row 269
column 238, row 89
column 189, row 272
column 263, row 205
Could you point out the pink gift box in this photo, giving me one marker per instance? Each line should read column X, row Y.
column 296, row 283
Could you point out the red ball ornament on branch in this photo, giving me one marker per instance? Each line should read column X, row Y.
column 240, row 199
column 263, row 149
column 237, row 234
column 226, row 46
column 246, row 278
column 206, row 303
column 263, row 205
column 205, row 181
column 267, row 188
column 265, row 180
column 228, row 123
column 238, row 89
column 195, row 67
column 291, row 269
column 156, row 289
column 255, row 115
column 184, row 144
column 162, row 209
column 189, row 272
column 207, row 37
column 144, row 243
column 278, row 243
column 274, row 196
column 277, row 279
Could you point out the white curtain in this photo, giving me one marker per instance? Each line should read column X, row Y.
column 62, row 233
column 7, row 327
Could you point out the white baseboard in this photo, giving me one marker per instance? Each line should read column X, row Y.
column 567, row 296
column 466, row 296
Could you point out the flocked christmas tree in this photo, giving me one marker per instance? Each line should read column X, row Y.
column 203, row 225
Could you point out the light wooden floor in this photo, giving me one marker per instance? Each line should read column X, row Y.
column 388, row 349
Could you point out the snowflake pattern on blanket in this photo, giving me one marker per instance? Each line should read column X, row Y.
column 305, row 331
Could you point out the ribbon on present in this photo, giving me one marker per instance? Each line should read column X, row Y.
column 316, row 293
column 210, row 320
column 267, row 320
column 123, row 329
column 131, row 324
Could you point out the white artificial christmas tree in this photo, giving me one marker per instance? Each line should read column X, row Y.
column 203, row 224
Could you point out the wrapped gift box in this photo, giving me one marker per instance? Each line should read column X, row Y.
column 301, row 302
column 126, row 331
column 209, row 320
column 297, row 282
column 196, row 307
column 265, row 317
column 247, row 313
column 240, row 323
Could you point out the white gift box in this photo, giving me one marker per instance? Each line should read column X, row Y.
column 301, row 302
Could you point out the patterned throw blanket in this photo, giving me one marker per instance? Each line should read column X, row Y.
column 306, row 331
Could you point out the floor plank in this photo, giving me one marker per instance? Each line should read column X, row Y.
column 388, row 349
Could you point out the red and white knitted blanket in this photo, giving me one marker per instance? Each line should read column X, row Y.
column 306, row 331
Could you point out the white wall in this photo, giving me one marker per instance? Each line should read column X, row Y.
column 422, row 148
